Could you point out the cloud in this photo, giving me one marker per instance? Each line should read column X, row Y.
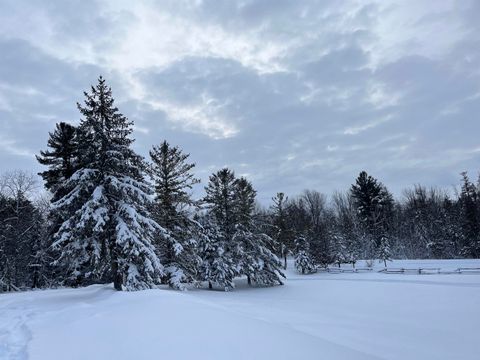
column 12, row 148
column 369, row 125
column 294, row 94
column 168, row 38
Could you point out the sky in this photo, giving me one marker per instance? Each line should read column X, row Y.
column 293, row 95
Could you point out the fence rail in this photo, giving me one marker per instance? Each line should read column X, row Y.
column 417, row 271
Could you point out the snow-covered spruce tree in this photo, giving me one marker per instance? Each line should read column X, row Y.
column 257, row 262
column 217, row 266
column 174, row 181
column 220, row 201
column 339, row 253
column 383, row 252
column 303, row 260
column 108, row 231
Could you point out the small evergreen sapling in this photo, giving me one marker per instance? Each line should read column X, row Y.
column 303, row 260
column 384, row 253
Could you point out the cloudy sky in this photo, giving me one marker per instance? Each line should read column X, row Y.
column 291, row 94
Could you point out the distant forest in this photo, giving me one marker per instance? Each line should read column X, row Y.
column 114, row 216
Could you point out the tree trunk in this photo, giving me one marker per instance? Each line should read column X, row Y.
column 35, row 279
column 249, row 280
column 285, row 261
column 117, row 277
column 210, row 285
column 118, row 282
column 116, row 272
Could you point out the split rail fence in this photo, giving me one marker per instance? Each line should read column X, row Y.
column 411, row 271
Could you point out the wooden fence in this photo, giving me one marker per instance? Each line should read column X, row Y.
column 411, row 271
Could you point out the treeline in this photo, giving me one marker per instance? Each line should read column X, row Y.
column 113, row 216
column 366, row 222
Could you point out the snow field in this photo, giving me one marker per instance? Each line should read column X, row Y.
column 318, row 316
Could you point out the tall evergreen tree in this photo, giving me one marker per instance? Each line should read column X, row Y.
column 374, row 208
column 220, row 253
column 62, row 161
column 174, row 181
column 108, row 231
column 220, row 198
column 255, row 260
column 61, row 158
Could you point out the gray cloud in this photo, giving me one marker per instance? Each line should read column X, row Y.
column 293, row 95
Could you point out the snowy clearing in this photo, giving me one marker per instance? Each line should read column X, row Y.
column 318, row 316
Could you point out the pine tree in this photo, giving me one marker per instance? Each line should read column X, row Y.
column 223, row 265
column 173, row 182
column 374, row 206
column 304, row 262
column 108, row 231
column 62, row 161
column 220, row 193
column 61, row 158
column 255, row 260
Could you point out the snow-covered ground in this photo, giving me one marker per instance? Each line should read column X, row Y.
column 319, row 316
